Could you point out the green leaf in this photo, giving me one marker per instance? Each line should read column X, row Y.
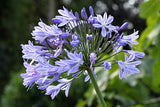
column 152, row 30
column 156, row 66
column 150, row 11
column 156, row 75
column 150, row 8
column 149, row 37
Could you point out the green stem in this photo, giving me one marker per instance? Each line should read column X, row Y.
column 99, row 94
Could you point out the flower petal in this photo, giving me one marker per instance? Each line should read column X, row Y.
column 103, row 32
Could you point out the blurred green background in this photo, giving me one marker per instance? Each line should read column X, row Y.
column 17, row 20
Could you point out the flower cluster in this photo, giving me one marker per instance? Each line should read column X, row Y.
column 73, row 44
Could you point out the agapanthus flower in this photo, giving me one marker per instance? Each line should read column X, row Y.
column 43, row 32
column 32, row 52
column 75, row 40
column 128, row 66
column 84, row 14
column 70, row 65
column 65, row 18
column 105, row 23
column 107, row 65
column 135, row 53
column 129, row 39
column 72, row 45
column 89, row 37
column 64, row 84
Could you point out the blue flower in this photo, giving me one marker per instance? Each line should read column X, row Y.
column 129, row 39
column 92, row 19
column 104, row 23
column 65, row 18
column 44, row 31
column 84, row 14
column 92, row 59
column 32, row 52
column 75, row 41
column 72, row 64
column 45, row 34
column 63, row 85
column 128, row 66
column 135, row 53
column 124, row 26
column 91, row 10
column 71, row 46
column 59, row 48
column 107, row 65
column 88, row 37
column 40, row 70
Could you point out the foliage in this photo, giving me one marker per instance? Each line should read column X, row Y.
column 13, row 24
column 151, row 36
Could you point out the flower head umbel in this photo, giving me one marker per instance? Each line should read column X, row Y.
column 73, row 45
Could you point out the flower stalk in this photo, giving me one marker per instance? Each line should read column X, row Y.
column 99, row 94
